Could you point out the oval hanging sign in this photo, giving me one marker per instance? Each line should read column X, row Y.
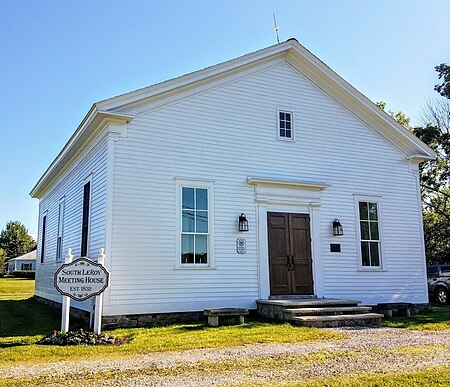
column 81, row 279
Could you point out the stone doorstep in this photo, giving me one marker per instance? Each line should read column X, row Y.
column 342, row 317
column 289, row 313
column 319, row 302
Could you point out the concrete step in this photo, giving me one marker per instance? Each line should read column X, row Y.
column 308, row 303
column 338, row 320
column 290, row 313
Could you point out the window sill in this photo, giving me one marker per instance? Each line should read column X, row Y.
column 368, row 269
column 285, row 139
column 193, row 267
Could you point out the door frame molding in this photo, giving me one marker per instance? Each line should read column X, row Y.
column 277, row 197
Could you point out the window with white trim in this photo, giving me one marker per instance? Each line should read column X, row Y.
column 26, row 266
column 43, row 231
column 369, row 233
column 285, row 125
column 195, row 225
column 85, row 226
column 60, row 231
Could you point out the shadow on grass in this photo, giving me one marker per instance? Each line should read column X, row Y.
column 436, row 314
column 29, row 318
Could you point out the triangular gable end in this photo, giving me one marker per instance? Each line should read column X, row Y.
column 115, row 109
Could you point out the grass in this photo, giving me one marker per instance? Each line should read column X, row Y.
column 437, row 376
column 435, row 319
column 23, row 321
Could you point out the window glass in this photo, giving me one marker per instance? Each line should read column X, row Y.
column 188, row 198
column 369, row 234
column 194, row 225
column 285, row 125
column 363, row 213
column 432, row 271
column 445, row 270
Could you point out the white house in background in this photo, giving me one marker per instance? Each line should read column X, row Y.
column 160, row 176
column 24, row 262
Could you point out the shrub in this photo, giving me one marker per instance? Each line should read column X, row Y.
column 31, row 274
column 80, row 337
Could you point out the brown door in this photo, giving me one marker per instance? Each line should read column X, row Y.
column 290, row 261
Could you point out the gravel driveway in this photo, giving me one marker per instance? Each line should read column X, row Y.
column 374, row 350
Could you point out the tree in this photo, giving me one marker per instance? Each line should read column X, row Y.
column 2, row 261
column 434, row 174
column 15, row 240
column 444, row 73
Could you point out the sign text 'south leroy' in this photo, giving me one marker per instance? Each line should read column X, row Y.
column 81, row 279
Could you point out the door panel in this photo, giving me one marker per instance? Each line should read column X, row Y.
column 280, row 278
column 301, row 254
column 289, row 254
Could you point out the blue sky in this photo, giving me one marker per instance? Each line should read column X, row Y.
column 58, row 57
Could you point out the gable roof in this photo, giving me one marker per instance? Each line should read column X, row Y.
column 114, row 110
column 29, row 256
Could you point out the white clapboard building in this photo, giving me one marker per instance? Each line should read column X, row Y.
column 160, row 176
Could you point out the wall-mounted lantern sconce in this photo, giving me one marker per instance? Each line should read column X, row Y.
column 337, row 228
column 243, row 223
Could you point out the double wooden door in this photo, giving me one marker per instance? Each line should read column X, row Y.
column 290, row 261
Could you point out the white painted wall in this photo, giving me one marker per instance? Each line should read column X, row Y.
column 225, row 134
column 70, row 186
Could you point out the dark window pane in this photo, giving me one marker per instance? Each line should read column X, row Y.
column 365, row 230
column 44, row 225
column 282, row 133
column 288, row 133
column 365, row 253
column 288, row 125
column 188, row 221
column 201, row 249
column 374, row 254
column 202, row 199
column 432, row 272
column 288, row 116
column 188, row 197
column 445, row 270
column 363, row 211
column 373, row 213
column 85, row 221
column 202, row 221
column 281, row 116
column 282, row 124
column 374, row 235
column 187, row 249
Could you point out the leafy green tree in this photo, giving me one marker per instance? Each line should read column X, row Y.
column 15, row 240
column 444, row 73
column 437, row 230
column 2, row 261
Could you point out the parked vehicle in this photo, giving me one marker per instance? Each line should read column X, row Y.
column 439, row 283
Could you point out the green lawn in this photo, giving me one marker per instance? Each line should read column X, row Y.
column 435, row 319
column 23, row 321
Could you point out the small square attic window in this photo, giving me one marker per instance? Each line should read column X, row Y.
column 285, row 125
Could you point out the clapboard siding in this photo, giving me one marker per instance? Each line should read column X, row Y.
column 70, row 186
column 224, row 135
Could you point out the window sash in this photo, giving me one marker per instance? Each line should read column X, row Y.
column 60, row 230
column 195, row 215
column 285, row 124
column 85, row 221
column 369, row 233
column 44, row 226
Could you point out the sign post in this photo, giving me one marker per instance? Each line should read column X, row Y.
column 99, row 300
column 66, row 300
column 80, row 280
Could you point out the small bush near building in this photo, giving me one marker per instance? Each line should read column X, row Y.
column 80, row 337
column 30, row 274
